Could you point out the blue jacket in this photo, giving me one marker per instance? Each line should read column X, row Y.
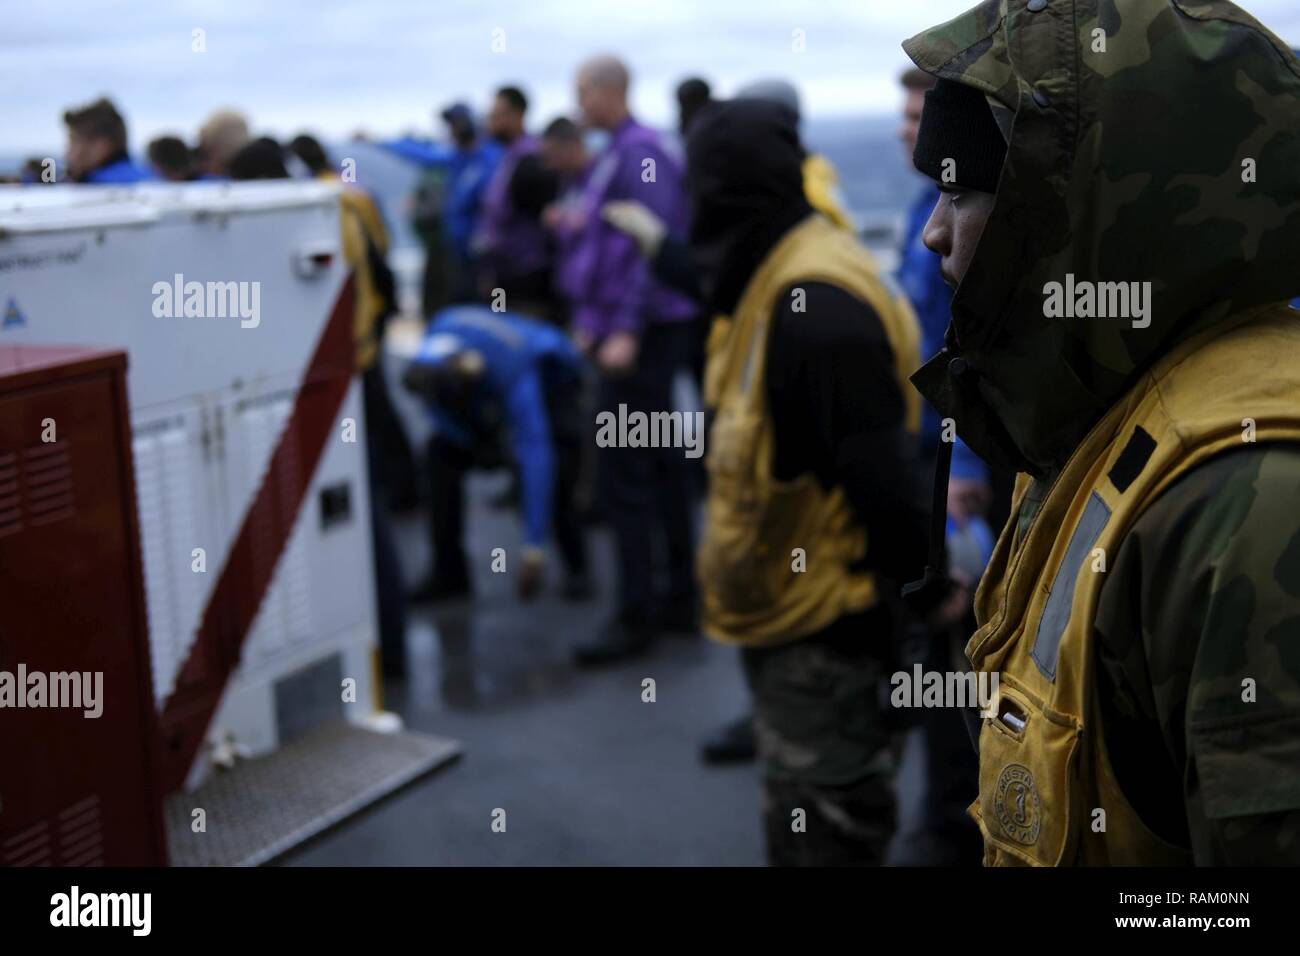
column 522, row 359
column 468, row 173
column 918, row 274
column 123, row 170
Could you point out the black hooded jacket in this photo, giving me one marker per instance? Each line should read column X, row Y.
column 832, row 391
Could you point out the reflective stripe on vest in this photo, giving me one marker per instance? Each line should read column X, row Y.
column 1047, row 640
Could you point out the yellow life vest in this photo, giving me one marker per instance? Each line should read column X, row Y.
column 1044, row 769
column 754, row 589
column 359, row 220
column 821, row 187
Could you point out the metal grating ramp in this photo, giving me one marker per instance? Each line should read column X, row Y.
column 266, row 806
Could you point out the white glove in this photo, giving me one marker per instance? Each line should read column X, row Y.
column 629, row 216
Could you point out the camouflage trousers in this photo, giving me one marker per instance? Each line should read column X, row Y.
column 825, row 746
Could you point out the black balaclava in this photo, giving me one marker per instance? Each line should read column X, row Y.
column 745, row 178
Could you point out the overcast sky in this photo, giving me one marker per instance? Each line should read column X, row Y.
column 382, row 65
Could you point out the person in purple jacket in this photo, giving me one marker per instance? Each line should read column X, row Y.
column 638, row 332
column 512, row 246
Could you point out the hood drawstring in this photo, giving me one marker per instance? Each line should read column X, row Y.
column 924, row 595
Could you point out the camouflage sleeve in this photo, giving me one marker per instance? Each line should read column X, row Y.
column 1199, row 660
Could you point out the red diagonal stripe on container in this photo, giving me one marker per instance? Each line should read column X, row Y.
column 246, row 575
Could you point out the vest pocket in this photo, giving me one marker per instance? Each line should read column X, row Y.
column 746, row 552
column 733, row 449
column 1029, row 798
column 740, row 554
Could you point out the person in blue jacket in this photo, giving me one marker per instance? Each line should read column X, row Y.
column 469, row 165
column 493, row 379
column 97, row 146
column 939, row 832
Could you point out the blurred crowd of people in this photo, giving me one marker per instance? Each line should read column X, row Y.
column 593, row 263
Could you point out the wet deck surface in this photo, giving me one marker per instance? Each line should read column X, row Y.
column 586, row 772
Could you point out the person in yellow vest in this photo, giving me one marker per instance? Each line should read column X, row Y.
column 811, row 515
column 673, row 263
column 390, row 459
column 1120, row 216
column 365, row 246
column 365, row 242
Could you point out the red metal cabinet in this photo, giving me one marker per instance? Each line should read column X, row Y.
column 73, row 790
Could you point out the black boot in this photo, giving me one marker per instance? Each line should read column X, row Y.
column 731, row 743
column 577, row 587
column 434, row 589
column 623, row 637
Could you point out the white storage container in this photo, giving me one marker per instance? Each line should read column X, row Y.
column 210, row 397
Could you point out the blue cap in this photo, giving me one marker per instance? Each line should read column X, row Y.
column 458, row 113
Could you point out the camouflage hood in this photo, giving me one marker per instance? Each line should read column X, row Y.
column 1150, row 141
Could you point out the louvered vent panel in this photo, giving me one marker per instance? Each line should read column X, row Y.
column 284, row 618
column 28, row 847
column 11, row 511
column 47, row 475
column 159, row 595
column 81, row 836
column 257, row 427
column 166, row 456
column 181, row 480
